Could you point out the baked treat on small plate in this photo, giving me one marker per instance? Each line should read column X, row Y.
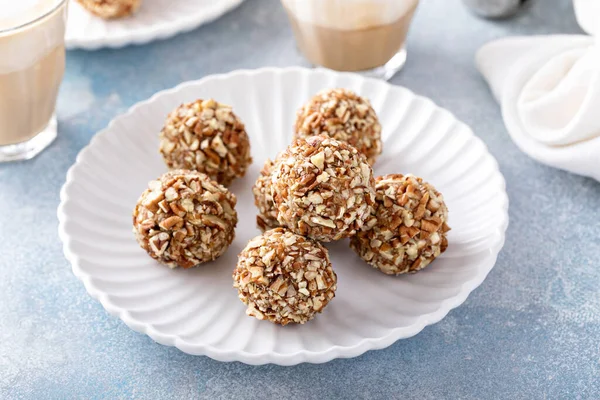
column 109, row 9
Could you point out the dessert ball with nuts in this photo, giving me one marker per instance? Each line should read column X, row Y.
column 283, row 277
column 323, row 188
column 111, row 8
column 184, row 218
column 343, row 115
column 208, row 137
column 409, row 227
column 263, row 198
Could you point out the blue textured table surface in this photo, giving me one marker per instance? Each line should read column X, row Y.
column 532, row 330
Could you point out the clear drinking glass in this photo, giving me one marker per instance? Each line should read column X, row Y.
column 32, row 64
column 365, row 36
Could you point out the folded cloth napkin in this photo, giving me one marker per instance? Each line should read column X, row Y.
column 588, row 15
column 549, row 91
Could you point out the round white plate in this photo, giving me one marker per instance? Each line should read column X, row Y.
column 156, row 19
column 197, row 310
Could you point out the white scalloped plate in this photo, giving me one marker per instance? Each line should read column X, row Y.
column 156, row 19
column 197, row 310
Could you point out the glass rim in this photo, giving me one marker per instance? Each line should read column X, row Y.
column 59, row 4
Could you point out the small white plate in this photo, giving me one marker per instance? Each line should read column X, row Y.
column 156, row 19
column 197, row 310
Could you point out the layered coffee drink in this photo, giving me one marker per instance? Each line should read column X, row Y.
column 32, row 63
column 350, row 35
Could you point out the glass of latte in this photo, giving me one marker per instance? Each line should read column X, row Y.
column 32, row 63
column 365, row 36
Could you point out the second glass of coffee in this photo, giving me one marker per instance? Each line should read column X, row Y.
column 365, row 36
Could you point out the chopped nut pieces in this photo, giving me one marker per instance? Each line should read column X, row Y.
column 111, row 8
column 323, row 188
column 283, row 277
column 263, row 198
column 184, row 218
column 208, row 137
column 409, row 228
column 342, row 115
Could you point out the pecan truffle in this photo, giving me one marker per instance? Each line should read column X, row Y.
column 283, row 277
column 343, row 115
column 408, row 230
column 184, row 218
column 323, row 188
column 263, row 198
column 208, row 137
column 111, row 8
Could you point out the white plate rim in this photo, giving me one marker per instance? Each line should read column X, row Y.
column 302, row 356
column 152, row 33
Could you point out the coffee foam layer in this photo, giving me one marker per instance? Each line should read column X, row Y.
column 16, row 13
column 349, row 14
column 23, row 47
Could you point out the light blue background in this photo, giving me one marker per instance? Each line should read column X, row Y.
column 531, row 331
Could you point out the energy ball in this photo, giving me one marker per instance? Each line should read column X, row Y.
column 206, row 136
column 184, row 219
column 409, row 227
column 263, row 198
column 342, row 115
column 323, row 188
column 108, row 9
column 283, row 277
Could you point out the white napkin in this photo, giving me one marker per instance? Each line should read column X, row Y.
column 588, row 15
column 549, row 91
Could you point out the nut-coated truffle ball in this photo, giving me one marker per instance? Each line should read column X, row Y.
column 409, row 227
column 184, row 219
column 342, row 115
column 283, row 277
column 263, row 198
column 323, row 188
column 206, row 136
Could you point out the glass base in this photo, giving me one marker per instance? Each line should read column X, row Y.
column 32, row 147
column 389, row 69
